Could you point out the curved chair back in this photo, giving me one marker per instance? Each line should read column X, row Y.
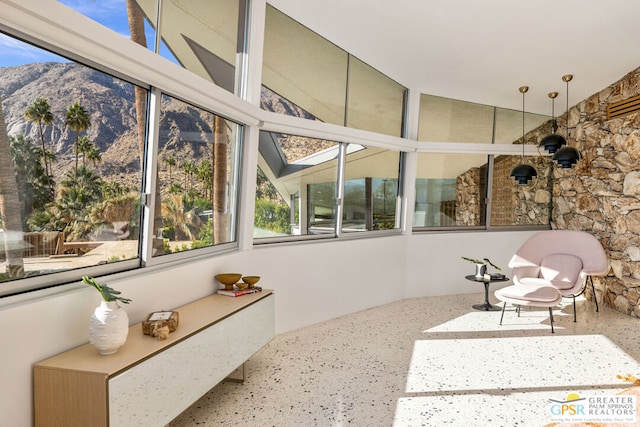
column 570, row 242
column 563, row 259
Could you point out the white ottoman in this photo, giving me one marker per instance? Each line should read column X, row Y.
column 537, row 295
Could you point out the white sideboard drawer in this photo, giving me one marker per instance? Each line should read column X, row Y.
column 149, row 382
column 157, row 390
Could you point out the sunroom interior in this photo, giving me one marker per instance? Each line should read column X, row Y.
column 343, row 180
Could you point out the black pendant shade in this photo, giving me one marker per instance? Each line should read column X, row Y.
column 566, row 157
column 523, row 173
column 563, row 155
column 553, row 142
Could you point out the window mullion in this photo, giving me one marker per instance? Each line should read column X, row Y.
column 151, row 173
column 342, row 155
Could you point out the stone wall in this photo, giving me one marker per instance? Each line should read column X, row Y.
column 470, row 188
column 601, row 194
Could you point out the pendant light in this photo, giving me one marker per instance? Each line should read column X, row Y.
column 567, row 156
column 553, row 142
column 523, row 173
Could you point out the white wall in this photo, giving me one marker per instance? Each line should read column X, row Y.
column 313, row 282
column 435, row 266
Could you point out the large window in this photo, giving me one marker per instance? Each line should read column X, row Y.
column 136, row 20
column 71, row 147
column 324, row 81
column 452, row 189
column 375, row 102
column 451, row 120
column 304, row 68
column 511, row 203
column 199, row 35
column 296, row 187
column 371, row 189
column 197, row 178
column 202, row 36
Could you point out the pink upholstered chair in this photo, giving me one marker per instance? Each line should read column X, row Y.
column 552, row 264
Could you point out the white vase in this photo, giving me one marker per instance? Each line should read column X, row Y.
column 481, row 269
column 108, row 327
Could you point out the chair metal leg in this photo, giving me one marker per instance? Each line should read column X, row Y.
column 574, row 308
column 593, row 289
column 502, row 315
column 551, row 320
column 518, row 308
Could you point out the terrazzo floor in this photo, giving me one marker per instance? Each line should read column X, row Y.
column 428, row 362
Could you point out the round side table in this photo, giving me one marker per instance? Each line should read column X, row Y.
column 486, row 306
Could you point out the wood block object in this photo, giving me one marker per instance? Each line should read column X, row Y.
column 158, row 319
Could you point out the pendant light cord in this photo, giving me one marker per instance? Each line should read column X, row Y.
column 567, row 122
column 523, row 90
column 567, row 78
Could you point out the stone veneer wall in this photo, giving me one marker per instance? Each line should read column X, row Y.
column 601, row 194
column 470, row 187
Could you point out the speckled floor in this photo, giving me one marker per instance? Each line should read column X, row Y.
column 427, row 362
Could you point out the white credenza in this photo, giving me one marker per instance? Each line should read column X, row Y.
column 150, row 382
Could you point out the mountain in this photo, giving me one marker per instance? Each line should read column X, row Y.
column 110, row 102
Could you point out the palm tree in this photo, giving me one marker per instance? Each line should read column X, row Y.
column 40, row 112
column 189, row 169
column 79, row 191
column 94, row 155
column 171, row 162
column 113, row 189
column 186, row 222
column 205, row 174
column 9, row 205
column 175, row 189
column 22, row 151
column 51, row 157
column 219, row 180
column 83, row 146
column 35, row 187
column 77, row 119
column 135, row 18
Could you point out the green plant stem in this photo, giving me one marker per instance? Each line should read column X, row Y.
column 106, row 292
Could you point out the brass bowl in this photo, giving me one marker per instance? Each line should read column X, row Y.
column 228, row 279
column 250, row 280
column 241, row 285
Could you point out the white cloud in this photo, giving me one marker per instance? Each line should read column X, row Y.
column 15, row 52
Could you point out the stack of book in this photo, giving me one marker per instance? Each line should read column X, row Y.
column 239, row 293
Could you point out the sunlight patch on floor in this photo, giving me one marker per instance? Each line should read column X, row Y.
column 516, row 363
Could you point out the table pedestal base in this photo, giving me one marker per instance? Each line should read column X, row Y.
column 486, row 307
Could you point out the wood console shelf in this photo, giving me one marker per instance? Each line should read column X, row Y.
column 150, row 382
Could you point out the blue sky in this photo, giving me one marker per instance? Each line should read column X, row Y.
column 110, row 13
column 14, row 52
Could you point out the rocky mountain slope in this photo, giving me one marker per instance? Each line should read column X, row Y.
column 109, row 101
column 111, row 105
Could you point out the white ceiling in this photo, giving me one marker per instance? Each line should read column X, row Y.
column 484, row 50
